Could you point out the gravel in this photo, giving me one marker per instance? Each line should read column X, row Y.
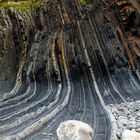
column 127, row 117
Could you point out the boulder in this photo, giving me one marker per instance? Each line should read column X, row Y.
column 74, row 130
column 130, row 135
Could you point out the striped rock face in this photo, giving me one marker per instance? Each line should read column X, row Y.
column 74, row 130
column 130, row 135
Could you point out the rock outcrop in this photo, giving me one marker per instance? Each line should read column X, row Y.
column 65, row 60
column 17, row 32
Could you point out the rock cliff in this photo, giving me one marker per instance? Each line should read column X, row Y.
column 66, row 60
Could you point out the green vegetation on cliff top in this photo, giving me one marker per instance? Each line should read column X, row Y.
column 22, row 6
column 25, row 5
column 83, row 1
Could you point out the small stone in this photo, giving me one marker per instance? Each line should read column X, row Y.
column 119, row 133
column 123, row 121
column 122, row 109
column 138, row 130
column 131, row 125
column 138, row 114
